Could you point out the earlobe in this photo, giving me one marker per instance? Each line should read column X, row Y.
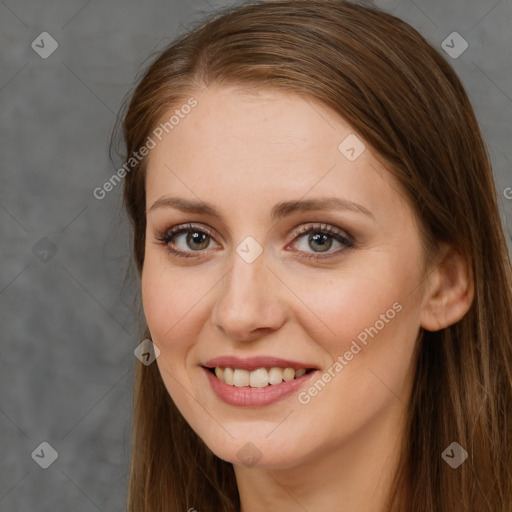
column 449, row 292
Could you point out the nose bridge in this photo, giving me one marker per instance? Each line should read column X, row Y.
column 247, row 300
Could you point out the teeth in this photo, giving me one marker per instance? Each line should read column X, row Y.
column 288, row 374
column 260, row 378
column 275, row 376
column 228, row 376
column 240, row 378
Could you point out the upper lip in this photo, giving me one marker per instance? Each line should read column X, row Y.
column 253, row 363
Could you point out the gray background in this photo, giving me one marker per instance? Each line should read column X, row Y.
column 67, row 316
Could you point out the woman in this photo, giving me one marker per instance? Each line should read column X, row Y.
column 323, row 272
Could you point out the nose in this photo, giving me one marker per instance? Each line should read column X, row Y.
column 249, row 304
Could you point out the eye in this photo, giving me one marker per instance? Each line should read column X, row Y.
column 179, row 239
column 321, row 237
column 189, row 240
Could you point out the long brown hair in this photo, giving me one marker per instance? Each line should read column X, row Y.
column 409, row 106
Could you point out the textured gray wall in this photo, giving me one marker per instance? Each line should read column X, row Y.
column 68, row 330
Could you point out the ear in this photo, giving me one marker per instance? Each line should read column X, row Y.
column 449, row 291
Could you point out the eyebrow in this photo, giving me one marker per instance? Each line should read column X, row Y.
column 278, row 212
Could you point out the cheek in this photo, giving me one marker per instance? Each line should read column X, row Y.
column 168, row 300
column 166, row 297
column 371, row 336
column 348, row 306
column 369, row 325
column 175, row 300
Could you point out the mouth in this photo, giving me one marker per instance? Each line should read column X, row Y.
column 256, row 382
column 258, row 378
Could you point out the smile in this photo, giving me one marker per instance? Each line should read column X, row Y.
column 259, row 378
column 254, row 388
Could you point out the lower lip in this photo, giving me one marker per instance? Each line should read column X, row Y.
column 255, row 397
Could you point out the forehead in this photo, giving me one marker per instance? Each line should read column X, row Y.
column 252, row 149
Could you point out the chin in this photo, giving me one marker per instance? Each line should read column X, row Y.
column 258, row 449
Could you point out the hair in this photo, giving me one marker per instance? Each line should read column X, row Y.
column 411, row 108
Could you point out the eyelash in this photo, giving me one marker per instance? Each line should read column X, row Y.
column 166, row 237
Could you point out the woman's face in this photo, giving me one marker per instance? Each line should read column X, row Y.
column 264, row 277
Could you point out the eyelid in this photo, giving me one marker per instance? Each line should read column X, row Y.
column 323, row 228
column 300, row 229
column 184, row 228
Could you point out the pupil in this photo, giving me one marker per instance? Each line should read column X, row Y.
column 194, row 238
column 320, row 237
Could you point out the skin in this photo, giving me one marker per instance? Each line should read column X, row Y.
column 244, row 152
